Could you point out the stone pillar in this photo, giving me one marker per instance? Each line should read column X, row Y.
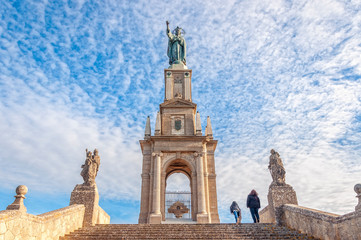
column 18, row 203
column 279, row 195
column 156, row 216
column 202, row 216
column 206, row 186
column 357, row 189
column 194, row 196
column 89, row 197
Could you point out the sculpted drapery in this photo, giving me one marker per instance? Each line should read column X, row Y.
column 90, row 167
column 277, row 169
column 176, row 46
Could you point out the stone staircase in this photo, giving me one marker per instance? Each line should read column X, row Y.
column 184, row 231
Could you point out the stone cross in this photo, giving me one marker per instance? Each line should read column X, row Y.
column 178, row 209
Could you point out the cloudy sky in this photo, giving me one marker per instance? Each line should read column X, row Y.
column 270, row 74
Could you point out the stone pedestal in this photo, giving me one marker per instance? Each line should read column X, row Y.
column 155, row 219
column 89, row 197
column 279, row 195
column 202, row 218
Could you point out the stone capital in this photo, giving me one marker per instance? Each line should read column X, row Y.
column 198, row 154
column 158, row 154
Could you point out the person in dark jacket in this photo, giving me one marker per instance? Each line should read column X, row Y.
column 254, row 204
column 234, row 208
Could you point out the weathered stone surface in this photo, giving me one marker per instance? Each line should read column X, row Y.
column 18, row 204
column 178, row 209
column 277, row 169
column 89, row 197
column 279, row 195
column 265, row 216
column 321, row 224
column 185, row 231
column 48, row 226
column 90, row 167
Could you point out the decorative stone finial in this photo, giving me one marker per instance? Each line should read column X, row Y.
column 198, row 125
column 209, row 131
column 147, row 132
column 357, row 189
column 276, row 168
column 18, row 204
column 157, row 125
column 90, row 167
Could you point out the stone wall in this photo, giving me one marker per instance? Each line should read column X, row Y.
column 48, row 226
column 103, row 217
column 265, row 215
column 321, row 224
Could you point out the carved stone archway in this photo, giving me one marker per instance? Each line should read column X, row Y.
column 185, row 167
column 178, row 145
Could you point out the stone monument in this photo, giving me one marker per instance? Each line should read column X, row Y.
column 279, row 192
column 178, row 145
column 87, row 193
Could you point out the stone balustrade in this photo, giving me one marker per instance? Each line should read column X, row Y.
column 321, row 224
column 48, row 226
column 16, row 224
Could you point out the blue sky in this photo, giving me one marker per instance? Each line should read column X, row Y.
column 270, row 74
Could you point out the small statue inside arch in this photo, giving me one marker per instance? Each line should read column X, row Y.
column 176, row 46
column 277, row 169
column 90, row 167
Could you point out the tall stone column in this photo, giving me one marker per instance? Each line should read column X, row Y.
column 206, row 186
column 202, row 216
column 156, row 216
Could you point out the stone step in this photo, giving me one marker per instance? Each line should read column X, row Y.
column 184, row 231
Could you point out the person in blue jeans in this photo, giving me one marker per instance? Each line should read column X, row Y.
column 254, row 204
column 234, row 208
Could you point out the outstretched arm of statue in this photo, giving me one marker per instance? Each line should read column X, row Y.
column 169, row 34
column 168, row 30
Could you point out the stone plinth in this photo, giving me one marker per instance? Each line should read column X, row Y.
column 155, row 219
column 89, row 197
column 202, row 218
column 279, row 195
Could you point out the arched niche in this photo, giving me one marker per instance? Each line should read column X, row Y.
column 183, row 166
